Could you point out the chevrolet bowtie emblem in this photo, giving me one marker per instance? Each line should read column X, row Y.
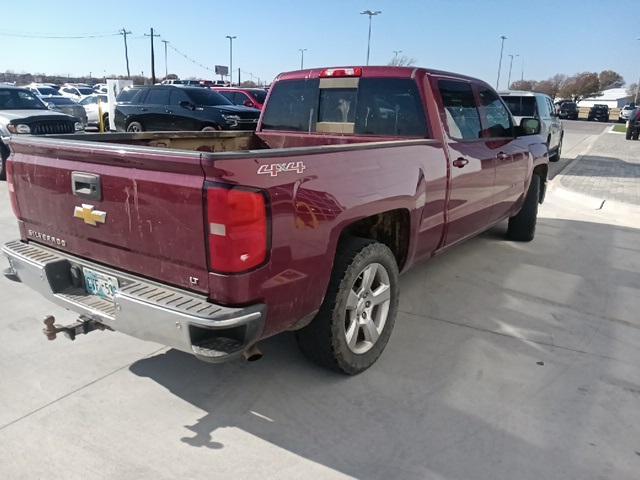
column 89, row 215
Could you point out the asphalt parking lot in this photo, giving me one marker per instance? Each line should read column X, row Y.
column 508, row 361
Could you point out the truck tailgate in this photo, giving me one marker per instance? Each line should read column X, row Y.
column 147, row 217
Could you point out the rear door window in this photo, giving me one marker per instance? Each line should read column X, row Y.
column 177, row 96
column 461, row 113
column 157, row 96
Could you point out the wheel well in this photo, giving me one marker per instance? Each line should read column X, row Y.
column 542, row 171
column 390, row 228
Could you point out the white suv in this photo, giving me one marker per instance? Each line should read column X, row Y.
column 540, row 106
column 625, row 111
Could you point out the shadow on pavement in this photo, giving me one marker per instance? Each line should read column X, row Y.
column 599, row 166
column 509, row 361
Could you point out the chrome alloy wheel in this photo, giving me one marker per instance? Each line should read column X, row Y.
column 367, row 308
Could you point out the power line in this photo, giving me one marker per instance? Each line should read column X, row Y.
column 187, row 57
column 58, row 37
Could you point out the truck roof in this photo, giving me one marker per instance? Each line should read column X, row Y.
column 373, row 71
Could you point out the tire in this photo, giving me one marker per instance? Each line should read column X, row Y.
column 627, row 135
column 211, row 128
column 135, row 127
column 105, row 121
column 556, row 154
column 4, row 154
column 338, row 337
column 522, row 226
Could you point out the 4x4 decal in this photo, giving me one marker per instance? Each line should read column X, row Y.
column 274, row 169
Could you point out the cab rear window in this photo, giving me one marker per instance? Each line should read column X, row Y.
column 365, row 106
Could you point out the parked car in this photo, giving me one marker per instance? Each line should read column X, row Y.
column 92, row 109
column 42, row 89
column 221, row 239
column 568, row 110
column 248, row 97
column 633, row 125
column 599, row 113
column 100, row 88
column 540, row 106
column 66, row 105
column 625, row 111
column 22, row 112
column 77, row 92
column 173, row 107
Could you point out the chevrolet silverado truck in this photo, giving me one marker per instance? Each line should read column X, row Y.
column 211, row 241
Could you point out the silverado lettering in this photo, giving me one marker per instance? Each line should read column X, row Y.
column 202, row 254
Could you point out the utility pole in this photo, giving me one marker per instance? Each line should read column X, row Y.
column 124, row 32
column 302, row 50
column 231, row 38
column 503, row 38
column 371, row 14
column 153, row 58
column 395, row 56
column 239, row 82
column 166, row 69
column 512, row 56
column 522, row 76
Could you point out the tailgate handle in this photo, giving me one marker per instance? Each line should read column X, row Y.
column 86, row 185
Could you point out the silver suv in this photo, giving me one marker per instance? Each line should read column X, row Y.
column 626, row 111
column 540, row 106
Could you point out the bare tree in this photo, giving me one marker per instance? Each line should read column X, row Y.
column 524, row 85
column 402, row 61
column 610, row 79
column 581, row 85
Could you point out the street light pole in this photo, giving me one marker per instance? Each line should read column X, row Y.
column 522, row 73
column 503, row 38
column 231, row 57
column 395, row 56
column 302, row 50
column 512, row 56
column 166, row 68
column 371, row 14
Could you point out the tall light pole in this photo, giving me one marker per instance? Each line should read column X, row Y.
column 371, row 14
column 503, row 38
column 522, row 72
column 231, row 57
column 512, row 56
column 302, row 50
column 395, row 56
column 166, row 68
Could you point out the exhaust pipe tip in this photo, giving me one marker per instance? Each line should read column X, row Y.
column 252, row 354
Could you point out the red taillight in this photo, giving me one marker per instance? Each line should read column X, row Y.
column 236, row 228
column 12, row 189
column 341, row 72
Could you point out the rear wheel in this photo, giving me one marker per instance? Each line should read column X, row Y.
column 4, row 154
column 522, row 226
column 636, row 134
column 556, row 154
column 135, row 127
column 357, row 316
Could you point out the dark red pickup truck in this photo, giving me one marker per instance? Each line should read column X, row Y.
column 209, row 242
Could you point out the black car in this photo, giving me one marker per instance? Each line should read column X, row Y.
column 599, row 113
column 633, row 125
column 568, row 110
column 175, row 107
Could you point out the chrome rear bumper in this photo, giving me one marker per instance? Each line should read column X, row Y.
column 141, row 308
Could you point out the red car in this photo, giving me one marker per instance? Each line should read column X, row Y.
column 248, row 97
column 211, row 241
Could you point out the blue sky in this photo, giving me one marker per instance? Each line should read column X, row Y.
column 552, row 36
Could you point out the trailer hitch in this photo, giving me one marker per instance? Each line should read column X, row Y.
column 82, row 326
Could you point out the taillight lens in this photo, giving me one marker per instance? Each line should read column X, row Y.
column 237, row 228
column 12, row 189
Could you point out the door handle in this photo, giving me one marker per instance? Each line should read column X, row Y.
column 142, row 109
column 460, row 162
column 502, row 156
column 86, row 185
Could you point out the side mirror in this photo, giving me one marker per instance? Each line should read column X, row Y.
column 51, row 106
column 187, row 105
column 247, row 103
column 530, row 126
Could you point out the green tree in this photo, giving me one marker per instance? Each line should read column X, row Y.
column 524, row 85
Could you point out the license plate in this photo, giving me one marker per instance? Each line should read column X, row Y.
column 96, row 283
